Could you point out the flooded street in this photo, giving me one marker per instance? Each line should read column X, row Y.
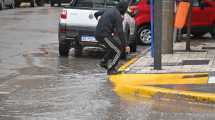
column 36, row 84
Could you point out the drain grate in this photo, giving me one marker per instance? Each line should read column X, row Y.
column 208, row 48
column 195, row 62
column 190, row 51
column 168, row 64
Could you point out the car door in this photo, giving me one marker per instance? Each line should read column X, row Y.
column 200, row 13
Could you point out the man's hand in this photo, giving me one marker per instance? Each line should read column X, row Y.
column 98, row 18
column 127, row 49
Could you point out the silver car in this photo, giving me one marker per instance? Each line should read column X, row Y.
column 77, row 26
column 7, row 3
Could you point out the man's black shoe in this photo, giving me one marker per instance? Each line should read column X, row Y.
column 113, row 72
column 103, row 64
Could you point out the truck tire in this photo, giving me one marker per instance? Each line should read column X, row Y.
column 64, row 49
column 78, row 51
column 2, row 5
column 144, row 35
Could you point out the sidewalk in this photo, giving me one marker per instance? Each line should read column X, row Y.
column 194, row 70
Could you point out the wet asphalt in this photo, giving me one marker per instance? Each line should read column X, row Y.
column 37, row 84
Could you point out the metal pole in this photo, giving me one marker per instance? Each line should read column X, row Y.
column 167, row 26
column 189, row 27
column 157, row 34
column 152, row 27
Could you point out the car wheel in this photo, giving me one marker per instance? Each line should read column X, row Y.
column 78, row 51
column 64, row 49
column 2, row 5
column 144, row 35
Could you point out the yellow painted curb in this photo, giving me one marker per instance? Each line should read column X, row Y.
column 150, row 91
column 138, row 84
column 127, row 64
column 159, row 79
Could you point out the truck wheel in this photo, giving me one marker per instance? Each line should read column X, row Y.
column 144, row 35
column 64, row 49
column 2, row 5
column 78, row 51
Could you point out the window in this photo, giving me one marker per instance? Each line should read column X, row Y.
column 94, row 3
column 196, row 3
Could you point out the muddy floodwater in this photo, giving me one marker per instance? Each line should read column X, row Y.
column 37, row 84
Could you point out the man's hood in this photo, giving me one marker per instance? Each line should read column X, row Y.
column 122, row 6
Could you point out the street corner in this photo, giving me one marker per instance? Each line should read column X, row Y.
column 124, row 67
column 151, row 85
column 143, row 83
column 159, row 93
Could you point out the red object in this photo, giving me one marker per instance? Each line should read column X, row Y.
column 63, row 14
column 204, row 16
column 201, row 16
column 182, row 14
column 143, row 15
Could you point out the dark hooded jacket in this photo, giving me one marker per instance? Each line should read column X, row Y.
column 111, row 21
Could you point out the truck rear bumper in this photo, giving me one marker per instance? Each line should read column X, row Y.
column 73, row 35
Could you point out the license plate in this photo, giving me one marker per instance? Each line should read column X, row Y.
column 88, row 38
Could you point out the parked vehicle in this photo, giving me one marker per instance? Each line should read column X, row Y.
column 32, row 2
column 7, row 3
column 77, row 26
column 53, row 2
column 203, row 19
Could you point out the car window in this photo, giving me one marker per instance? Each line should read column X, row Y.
column 196, row 3
column 94, row 3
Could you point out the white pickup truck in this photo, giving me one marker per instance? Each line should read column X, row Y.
column 77, row 26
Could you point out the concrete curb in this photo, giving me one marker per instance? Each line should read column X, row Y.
column 153, row 92
column 130, row 62
column 141, row 84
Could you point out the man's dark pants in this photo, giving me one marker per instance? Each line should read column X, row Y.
column 112, row 51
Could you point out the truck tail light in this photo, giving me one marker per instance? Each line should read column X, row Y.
column 62, row 30
column 63, row 14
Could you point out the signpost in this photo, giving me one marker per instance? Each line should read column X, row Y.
column 156, row 30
